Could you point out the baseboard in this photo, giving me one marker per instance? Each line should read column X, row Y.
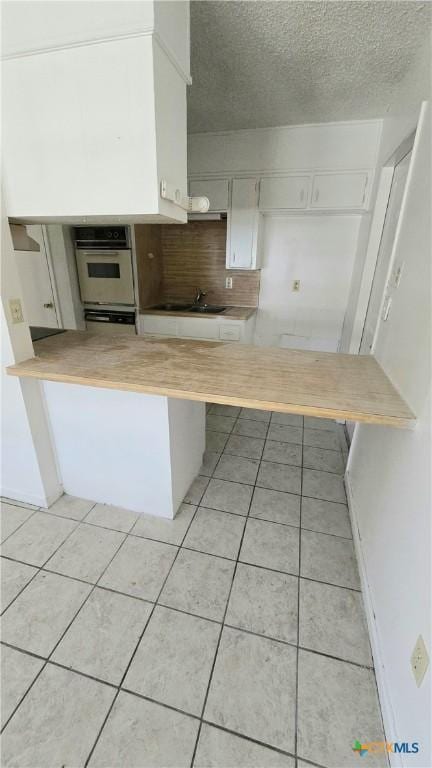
column 389, row 720
column 30, row 498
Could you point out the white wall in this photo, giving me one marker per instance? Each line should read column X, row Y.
column 52, row 24
column 186, row 419
column 388, row 476
column 368, row 244
column 171, row 117
column 171, row 21
column 319, row 251
column 401, row 120
column 20, row 475
column 28, row 466
column 65, row 126
column 80, row 135
column 326, row 146
column 136, row 451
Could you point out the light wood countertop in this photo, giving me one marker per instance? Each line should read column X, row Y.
column 230, row 313
column 322, row 384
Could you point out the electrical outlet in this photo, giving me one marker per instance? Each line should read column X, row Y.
column 419, row 661
column 16, row 310
column 228, row 282
column 296, row 285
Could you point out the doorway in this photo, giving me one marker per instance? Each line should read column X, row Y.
column 37, row 282
column 400, row 161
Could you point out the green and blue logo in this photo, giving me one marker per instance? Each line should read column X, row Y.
column 380, row 747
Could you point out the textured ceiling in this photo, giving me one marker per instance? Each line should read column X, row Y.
column 264, row 63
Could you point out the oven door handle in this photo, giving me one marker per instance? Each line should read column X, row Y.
column 99, row 253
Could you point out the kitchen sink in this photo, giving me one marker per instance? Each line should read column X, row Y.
column 201, row 309
column 207, row 308
column 173, row 307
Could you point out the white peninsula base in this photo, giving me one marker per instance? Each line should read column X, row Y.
column 136, row 451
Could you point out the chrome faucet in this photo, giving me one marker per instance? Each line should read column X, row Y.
column 199, row 295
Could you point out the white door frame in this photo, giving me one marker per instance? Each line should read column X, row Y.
column 52, row 277
column 397, row 156
column 374, row 242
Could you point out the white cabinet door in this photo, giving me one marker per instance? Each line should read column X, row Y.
column 243, row 225
column 199, row 328
column 283, row 192
column 158, row 325
column 37, row 283
column 339, row 190
column 230, row 332
column 217, row 191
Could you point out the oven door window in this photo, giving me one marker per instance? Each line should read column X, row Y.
column 103, row 269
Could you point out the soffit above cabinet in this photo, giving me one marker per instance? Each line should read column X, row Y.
column 92, row 126
column 72, row 23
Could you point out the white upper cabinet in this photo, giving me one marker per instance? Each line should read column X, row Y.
column 340, row 190
column 287, row 192
column 242, row 251
column 217, row 191
column 95, row 110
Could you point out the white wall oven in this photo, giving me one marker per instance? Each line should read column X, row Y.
column 104, row 263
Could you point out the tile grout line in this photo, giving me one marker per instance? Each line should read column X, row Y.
column 39, row 567
column 199, row 551
column 93, row 587
column 220, row 631
column 226, row 609
column 110, row 709
column 221, row 628
column 298, row 606
column 32, row 514
column 270, row 747
column 225, row 511
column 170, row 707
column 203, row 618
column 141, row 696
column 129, row 533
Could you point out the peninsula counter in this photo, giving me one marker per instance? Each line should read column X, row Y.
column 128, row 415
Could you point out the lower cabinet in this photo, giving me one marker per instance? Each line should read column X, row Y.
column 158, row 325
column 198, row 328
column 210, row 328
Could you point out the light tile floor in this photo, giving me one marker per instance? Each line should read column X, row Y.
column 232, row 637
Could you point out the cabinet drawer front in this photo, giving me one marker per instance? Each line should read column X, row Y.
column 229, row 332
column 199, row 328
column 339, row 190
column 164, row 326
column 217, row 191
column 285, row 192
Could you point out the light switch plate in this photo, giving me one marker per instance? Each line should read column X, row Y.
column 228, row 282
column 398, row 274
column 386, row 308
column 419, row 661
column 15, row 307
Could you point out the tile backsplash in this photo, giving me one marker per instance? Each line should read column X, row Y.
column 194, row 257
